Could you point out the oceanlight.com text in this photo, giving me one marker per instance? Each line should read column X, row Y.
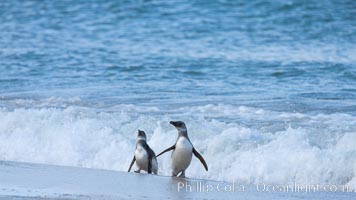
column 202, row 186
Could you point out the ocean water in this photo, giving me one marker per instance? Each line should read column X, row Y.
column 267, row 88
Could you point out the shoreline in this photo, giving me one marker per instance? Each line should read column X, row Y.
column 38, row 181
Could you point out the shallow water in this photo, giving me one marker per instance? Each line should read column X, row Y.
column 267, row 88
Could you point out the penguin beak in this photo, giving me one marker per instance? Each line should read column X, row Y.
column 173, row 123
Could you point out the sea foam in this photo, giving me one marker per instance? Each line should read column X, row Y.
column 258, row 146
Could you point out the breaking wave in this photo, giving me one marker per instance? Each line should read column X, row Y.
column 239, row 143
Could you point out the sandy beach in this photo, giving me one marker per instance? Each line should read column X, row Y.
column 37, row 181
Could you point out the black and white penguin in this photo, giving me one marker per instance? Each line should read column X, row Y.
column 144, row 156
column 182, row 151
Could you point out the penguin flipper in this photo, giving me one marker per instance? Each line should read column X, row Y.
column 132, row 162
column 151, row 154
column 200, row 158
column 169, row 149
column 149, row 168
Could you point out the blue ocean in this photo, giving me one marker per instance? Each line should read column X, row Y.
column 267, row 88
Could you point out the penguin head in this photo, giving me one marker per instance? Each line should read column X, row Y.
column 180, row 126
column 141, row 135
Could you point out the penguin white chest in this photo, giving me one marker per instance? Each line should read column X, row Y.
column 182, row 155
column 141, row 156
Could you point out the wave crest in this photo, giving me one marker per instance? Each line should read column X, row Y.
column 300, row 148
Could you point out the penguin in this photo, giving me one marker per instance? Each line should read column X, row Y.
column 144, row 156
column 182, row 151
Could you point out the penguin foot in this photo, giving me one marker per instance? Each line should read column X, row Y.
column 137, row 171
column 182, row 175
